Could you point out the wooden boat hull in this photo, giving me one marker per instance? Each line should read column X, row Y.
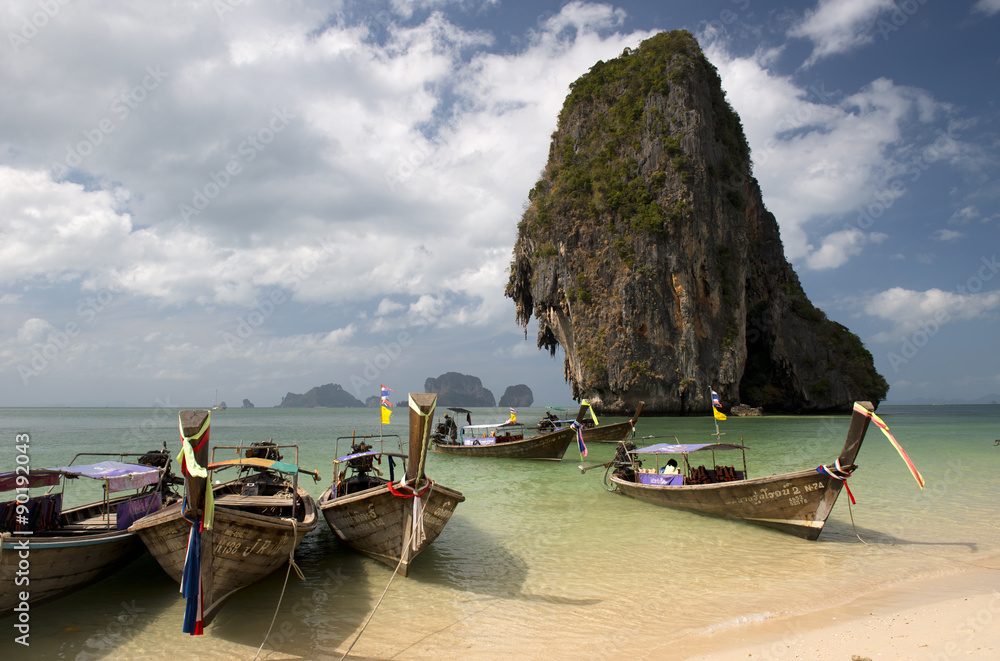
column 67, row 559
column 797, row 503
column 380, row 524
column 62, row 564
column 245, row 546
column 551, row 446
column 612, row 433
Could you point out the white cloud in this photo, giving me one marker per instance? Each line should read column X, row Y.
column 964, row 216
column 947, row 235
column 822, row 154
column 837, row 249
column 839, row 26
column 388, row 306
column 910, row 310
column 370, row 157
column 34, row 330
column 988, row 7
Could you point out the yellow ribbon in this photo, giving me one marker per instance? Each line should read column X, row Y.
column 193, row 468
column 187, row 449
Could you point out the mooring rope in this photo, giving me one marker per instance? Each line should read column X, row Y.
column 291, row 563
column 850, row 510
column 399, row 564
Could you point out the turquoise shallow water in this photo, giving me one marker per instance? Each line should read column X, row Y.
column 540, row 561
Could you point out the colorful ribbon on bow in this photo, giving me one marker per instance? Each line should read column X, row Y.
column 892, row 439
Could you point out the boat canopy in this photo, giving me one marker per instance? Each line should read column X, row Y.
column 685, row 448
column 259, row 462
column 38, row 477
column 120, row 476
column 507, row 423
column 458, row 410
column 370, row 453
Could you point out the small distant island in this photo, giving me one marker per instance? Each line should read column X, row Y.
column 515, row 396
column 454, row 389
column 332, row 395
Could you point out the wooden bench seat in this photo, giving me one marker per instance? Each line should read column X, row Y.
column 236, row 500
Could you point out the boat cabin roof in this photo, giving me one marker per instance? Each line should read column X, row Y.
column 685, row 448
column 506, row 423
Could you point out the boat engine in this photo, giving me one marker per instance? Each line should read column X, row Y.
column 156, row 458
column 264, row 450
column 622, row 464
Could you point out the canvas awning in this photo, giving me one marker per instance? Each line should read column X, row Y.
column 370, row 453
column 685, row 448
column 508, row 423
column 120, row 476
column 39, row 477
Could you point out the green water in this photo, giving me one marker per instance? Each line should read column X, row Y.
column 540, row 561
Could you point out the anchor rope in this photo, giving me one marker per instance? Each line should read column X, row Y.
column 406, row 541
column 291, row 564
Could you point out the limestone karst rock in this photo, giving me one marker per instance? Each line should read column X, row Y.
column 456, row 389
column 515, row 396
column 647, row 254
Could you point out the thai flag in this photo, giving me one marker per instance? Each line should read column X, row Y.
column 385, row 397
column 715, row 400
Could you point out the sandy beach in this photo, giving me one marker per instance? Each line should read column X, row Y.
column 956, row 616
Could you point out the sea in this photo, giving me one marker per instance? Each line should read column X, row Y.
column 540, row 561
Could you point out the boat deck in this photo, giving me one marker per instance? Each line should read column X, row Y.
column 90, row 524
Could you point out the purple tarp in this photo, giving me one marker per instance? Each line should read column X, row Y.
column 131, row 511
column 120, row 476
column 37, row 478
column 667, row 448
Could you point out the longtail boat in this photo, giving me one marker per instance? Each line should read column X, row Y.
column 391, row 520
column 47, row 551
column 593, row 431
column 797, row 503
column 221, row 540
column 509, row 440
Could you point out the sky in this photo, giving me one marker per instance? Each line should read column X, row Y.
column 240, row 199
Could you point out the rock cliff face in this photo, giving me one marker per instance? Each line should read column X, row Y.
column 519, row 395
column 332, row 395
column 454, row 389
column 647, row 254
column 247, row 404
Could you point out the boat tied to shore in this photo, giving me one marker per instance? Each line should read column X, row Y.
column 510, row 440
column 222, row 538
column 797, row 503
column 593, row 430
column 391, row 519
column 48, row 551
